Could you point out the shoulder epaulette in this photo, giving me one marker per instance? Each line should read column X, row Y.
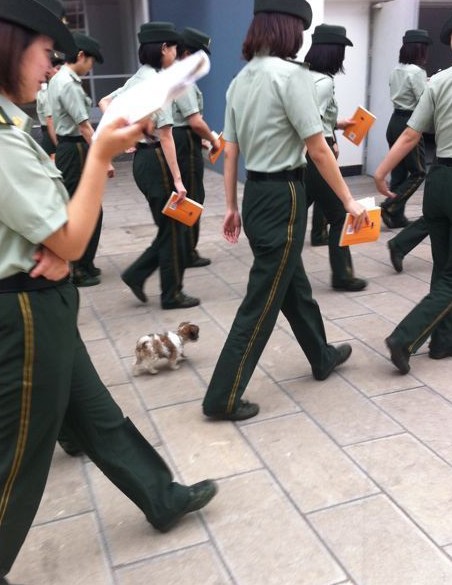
column 5, row 120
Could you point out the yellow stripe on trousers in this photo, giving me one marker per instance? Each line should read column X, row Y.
column 24, row 423
column 270, row 299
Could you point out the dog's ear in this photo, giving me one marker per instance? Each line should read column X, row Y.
column 194, row 332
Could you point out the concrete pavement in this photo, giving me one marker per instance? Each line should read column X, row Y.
column 347, row 481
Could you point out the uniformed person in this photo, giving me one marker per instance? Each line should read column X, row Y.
column 271, row 114
column 45, row 372
column 432, row 316
column 326, row 59
column 44, row 112
column 189, row 131
column 70, row 107
column 157, row 175
column 407, row 83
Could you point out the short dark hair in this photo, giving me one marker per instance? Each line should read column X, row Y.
column 14, row 40
column 273, row 33
column 413, row 53
column 151, row 54
column 327, row 59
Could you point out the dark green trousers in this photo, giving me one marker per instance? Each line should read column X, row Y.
column 319, row 226
column 167, row 251
column 274, row 220
column 408, row 175
column 46, row 141
column 46, row 377
column 319, row 192
column 70, row 159
column 191, row 164
column 432, row 316
column 410, row 236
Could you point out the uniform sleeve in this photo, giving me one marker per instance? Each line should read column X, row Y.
column 419, row 83
column 300, row 101
column 72, row 98
column 187, row 103
column 422, row 119
column 324, row 91
column 32, row 201
column 229, row 130
column 164, row 117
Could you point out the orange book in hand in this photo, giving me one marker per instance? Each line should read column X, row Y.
column 213, row 156
column 368, row 233
column 363, row 120
column 187, row 211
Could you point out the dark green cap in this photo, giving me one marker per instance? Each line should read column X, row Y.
column 330, row 34
column 446, row 31
column 417, row 35
column 195, row 40
column 35, row 16
column 299, row 8
column 88, row 45
column 158, row 32
column 54, row 6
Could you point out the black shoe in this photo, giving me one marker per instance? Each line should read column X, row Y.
column 137, row 290
column 244, row 410
column 400, row 356
column 439, row 354
column 343, row 352
column 352, row 285
column 81, row 278
column 93, row 270
column 392, row 222
column 182, row 301
column 319, row 242
column 199, row 262
column 199, row 495
column 396, row 257
column 69, row 449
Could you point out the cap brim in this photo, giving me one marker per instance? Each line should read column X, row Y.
column 38, row 18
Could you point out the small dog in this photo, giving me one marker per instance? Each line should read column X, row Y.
column 169, row 345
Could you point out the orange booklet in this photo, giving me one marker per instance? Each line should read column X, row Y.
column 363, row 121
column 187, row 211
column 213, row 156
column 368, row 233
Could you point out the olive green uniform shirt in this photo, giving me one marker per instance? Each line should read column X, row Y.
column 324, row 86
column 434, row 112
column 68, row 101
column 32, row 199
column 271, row 107
column 43, row 109
column 189, row 103
column 407, row 83
column 162, row 117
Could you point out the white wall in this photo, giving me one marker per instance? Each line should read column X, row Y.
column 389, row 25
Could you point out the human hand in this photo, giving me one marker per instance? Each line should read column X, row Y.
column 232, row 225
column 49, row 265
column 216, row 145
column 117, row 137
column 342, row 124
column 359, row 213
column 180, row 190
column 382, row 185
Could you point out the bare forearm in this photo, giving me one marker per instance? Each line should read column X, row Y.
column 51, row 130
column 403, row 145
column 230, row 175
column 86, row 131
column 169, row 151
column 199, row 125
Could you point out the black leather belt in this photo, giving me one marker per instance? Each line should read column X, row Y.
column 403, row 112
column 142, row 145
column 44, row 128
column 293, row 175
column 70, row 138
column 447, row 162
column 22, row 281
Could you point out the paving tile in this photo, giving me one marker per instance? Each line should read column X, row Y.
column 268, row 555
column 67, row 552
column 425, row 414
column 203, row 448
column 198, row 564
column 309, row 466
column 342, row 411
column 416, row 479
column 106, row 362
column 378, row 545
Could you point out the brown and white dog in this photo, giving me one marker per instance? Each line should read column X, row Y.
column 169, row 345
